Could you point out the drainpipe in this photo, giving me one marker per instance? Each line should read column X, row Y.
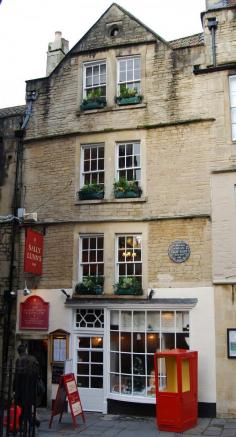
column 212, row 26
column 8, row 294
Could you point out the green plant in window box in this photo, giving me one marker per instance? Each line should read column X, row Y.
column 125, row 189
column 94, row 100
column 129, row 285
column 91, row 191
column 90, row 285
column 128, row 96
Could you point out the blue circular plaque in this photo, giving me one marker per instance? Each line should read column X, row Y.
column 179, row 251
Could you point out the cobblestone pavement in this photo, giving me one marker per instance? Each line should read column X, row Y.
column 98, row 424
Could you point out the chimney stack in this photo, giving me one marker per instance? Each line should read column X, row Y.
column 56, row 52
column 218, row 4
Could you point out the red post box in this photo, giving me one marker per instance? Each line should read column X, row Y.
column 176, row 389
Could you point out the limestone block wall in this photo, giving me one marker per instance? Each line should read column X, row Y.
column 196, row 271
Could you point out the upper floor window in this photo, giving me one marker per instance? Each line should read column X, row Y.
column 92, row 164
column 128, row 161
column 129, row 73
column 91, row 256
column 129, row 256
column 95, row 79
column 232, row 85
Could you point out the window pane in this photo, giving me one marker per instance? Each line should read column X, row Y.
column 114, row 346
column 137, row 63
column 83, row 356
column 121, row 242
column 126, row 385
column 126, row 320
column 121, row 162
column 97, row 342
column 129, row 149
column 115, row 384
column 96, row 382
column 168, row 341
column 83, row 369
column 122, row 65
column 84, row 257
column 103, row 68
column 167, row 320
column 88, row 71
column 114, row 319
column 125, row 342
column 153, row 343
column 83, row 381
column 97, row 369
column 97, row 357
column 84, row 342
column 126, row 363
column 129, row 161
column 139, row 383
column 86, row 165
column 121, row 150
column 114, row 362
column 138, row 342
column 182, row 341
column 139, row 366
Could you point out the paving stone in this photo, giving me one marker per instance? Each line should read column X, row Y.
column 228, row 433
column 229, row 425
column 211, row 430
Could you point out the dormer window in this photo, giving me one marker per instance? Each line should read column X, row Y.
column 95, row 79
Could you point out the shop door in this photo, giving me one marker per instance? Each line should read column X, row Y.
column 90, row 378
column 39, row 349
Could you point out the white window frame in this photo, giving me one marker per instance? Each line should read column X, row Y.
column 82, row 172
column 128, row 83
column 80, row 260
column 127, row 143
column 117, row 256
column 93, row 64
column 174, row 330
column 232, row 89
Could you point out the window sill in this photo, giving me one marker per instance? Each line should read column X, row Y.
column 107, row 201
column 111, row 109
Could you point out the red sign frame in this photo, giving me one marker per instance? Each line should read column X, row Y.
column 34, row 314
column 67, row 389
column 33, row 257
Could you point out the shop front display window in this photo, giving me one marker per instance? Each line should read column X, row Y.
column 134, row 338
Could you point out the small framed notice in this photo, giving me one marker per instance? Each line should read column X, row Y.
column 231, row 342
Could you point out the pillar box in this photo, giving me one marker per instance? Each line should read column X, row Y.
column 176, row 389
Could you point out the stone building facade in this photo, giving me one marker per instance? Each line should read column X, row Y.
column 10, row 121
column 174, row 136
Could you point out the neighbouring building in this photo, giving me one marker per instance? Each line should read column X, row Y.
column 10, row 122
column 146, row 252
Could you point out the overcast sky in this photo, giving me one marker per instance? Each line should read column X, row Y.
column 27, row 26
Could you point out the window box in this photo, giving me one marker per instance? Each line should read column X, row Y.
column 91, row 192
column 90, row 285
column 129, row 291
column 93, row 104
column 127, row 194
column 121, row 101
column 124, row 189
column 129, row 285
column 92, row 195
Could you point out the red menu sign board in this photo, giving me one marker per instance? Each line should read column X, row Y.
column 67, row 389
column 33, row 259
column 34, row 313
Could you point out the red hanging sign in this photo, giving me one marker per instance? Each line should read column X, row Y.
column 33, row 259
column 67, row 389
column 34, row 313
